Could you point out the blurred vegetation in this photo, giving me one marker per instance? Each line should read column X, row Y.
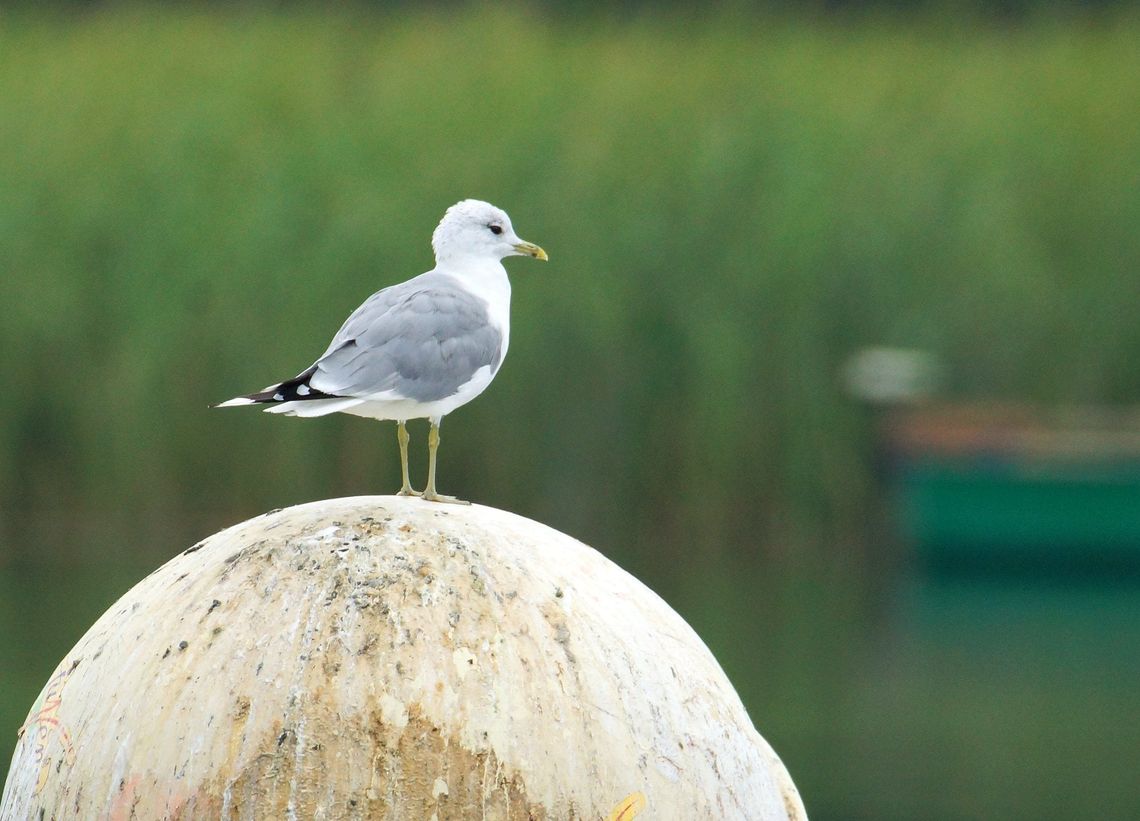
column 192, row 200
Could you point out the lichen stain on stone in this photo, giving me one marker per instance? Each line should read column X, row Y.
column 403, row 782
column 560, row 631
column 478, row 785
column 791, row 803
column 242, row 555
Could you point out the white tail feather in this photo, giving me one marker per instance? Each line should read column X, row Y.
column 313, row 407
column 237, row 401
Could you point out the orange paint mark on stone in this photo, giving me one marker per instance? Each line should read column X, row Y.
column 630, row 806
column 45, row 727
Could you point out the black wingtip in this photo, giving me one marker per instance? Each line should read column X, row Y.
column 296, row 389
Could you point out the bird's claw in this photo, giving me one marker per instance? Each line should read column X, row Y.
column 432, row 496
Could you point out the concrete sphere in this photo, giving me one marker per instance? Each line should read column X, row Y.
column 389, row 658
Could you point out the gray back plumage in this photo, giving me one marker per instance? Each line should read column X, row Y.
column 422, row 339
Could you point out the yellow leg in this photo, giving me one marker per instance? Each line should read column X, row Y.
column 430, row 492
column 403, row 438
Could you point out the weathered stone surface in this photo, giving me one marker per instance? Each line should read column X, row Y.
column 388, row 658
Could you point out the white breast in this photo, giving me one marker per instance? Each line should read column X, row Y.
column 488, row 280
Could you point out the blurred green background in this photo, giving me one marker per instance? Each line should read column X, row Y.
column 193, row 198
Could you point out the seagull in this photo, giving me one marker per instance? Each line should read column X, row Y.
column 422, row 348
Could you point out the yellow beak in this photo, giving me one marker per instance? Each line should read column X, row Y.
column 530, row 250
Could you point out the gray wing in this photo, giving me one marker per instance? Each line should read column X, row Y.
column 422, row 339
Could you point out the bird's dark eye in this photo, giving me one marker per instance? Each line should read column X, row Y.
column 495, row 228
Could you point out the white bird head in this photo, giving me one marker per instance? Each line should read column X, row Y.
column 472, row 229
